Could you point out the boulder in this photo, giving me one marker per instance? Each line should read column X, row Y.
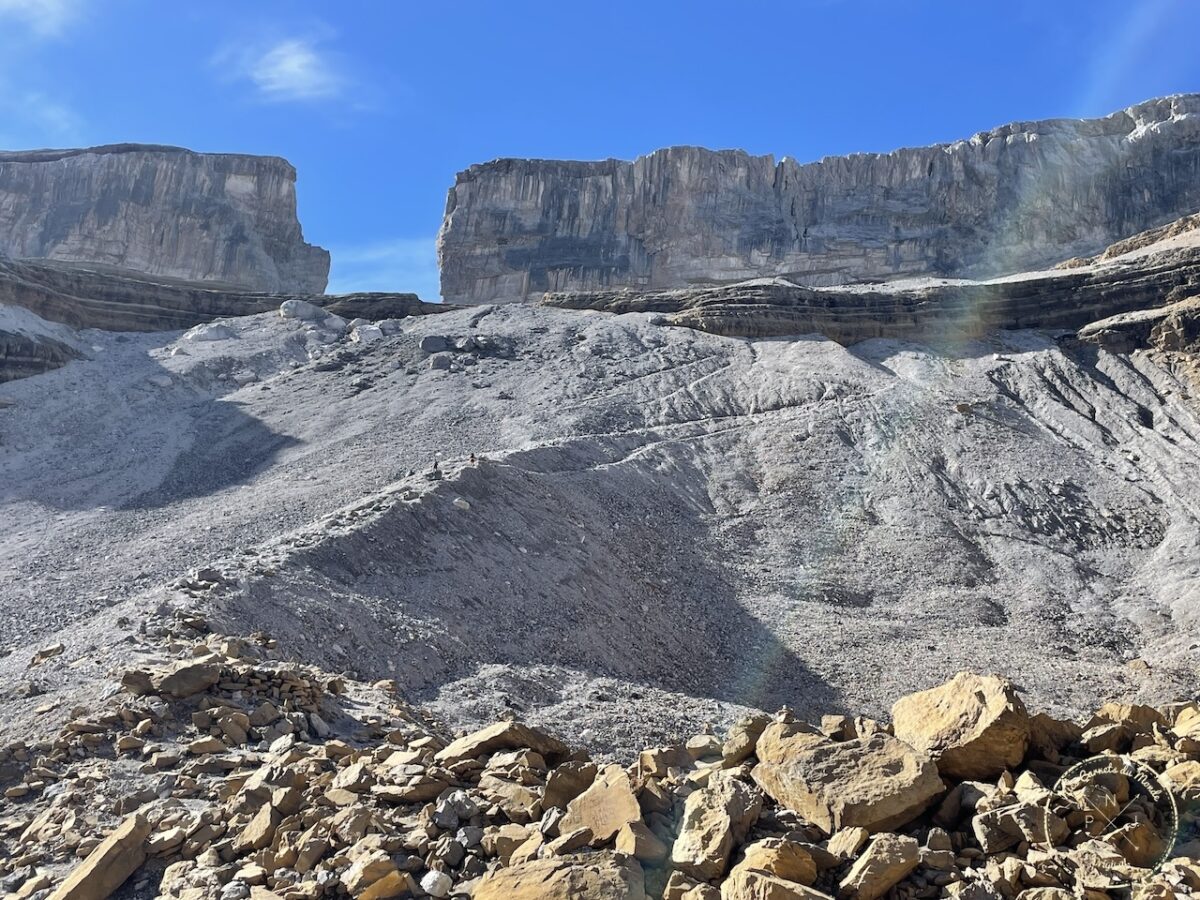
column 368, row 869
column 742, row 738
column 211, row 331
column 715, row 820
column 1000, row 829
column 259, row 832
column 636, row 840
column 605, row 807
column 501, row 736
column 875, row 783
column 502, row 841
column 567, row 782
column 598, row 876
column 436, row 884
column 434, row 343
column 888, row 860
column 847, row 842
column 46, row 653
column 105, row 869
column 1184, row 779
column 974, row 726
column 302, row 310
column 751, row 884
column 187, row 678
column 1135, row 717
column 779, row 858
column 366, row 334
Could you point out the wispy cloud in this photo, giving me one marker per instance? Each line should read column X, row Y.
column 287, row 70
column 402, row 264
column 31, row 118
column 30, row 115
column 46, row 18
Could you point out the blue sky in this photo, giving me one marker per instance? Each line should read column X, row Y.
column 378, row 104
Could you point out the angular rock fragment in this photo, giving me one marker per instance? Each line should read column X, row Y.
column 186, row 679
column 598, row 875
column 780, row 858
column 974, row 726
column 567, row 782
column 715, row 820
column 501, row 736
column 605, row 807
column 876, row 783
column 116, row 858
column 636, row 840
column 888, row 860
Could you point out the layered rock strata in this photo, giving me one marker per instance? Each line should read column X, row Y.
column 22, row 355
column 86, row 297
column 219, row 217
column 941, row 311
column 1017, row 197
column 29, row 345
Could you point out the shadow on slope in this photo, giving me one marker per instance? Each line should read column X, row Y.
column 228, row 448
column 154, row 438
column 580, row 556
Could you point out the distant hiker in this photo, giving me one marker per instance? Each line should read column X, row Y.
column 472, row 459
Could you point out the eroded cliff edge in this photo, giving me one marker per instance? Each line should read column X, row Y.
column 1017, row 197
column 163, row 211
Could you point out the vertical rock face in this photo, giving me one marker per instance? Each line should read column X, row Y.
column 162, row 211
column 1017, row 197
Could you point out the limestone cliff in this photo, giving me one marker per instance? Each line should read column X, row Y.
column 1018, row 197
column 161, row 211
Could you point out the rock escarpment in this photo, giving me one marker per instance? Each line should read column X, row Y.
column 30, row 345
column 23, row 355
column 1020, row 196
column 84, row 297
column 938, row 312
column 161, row 211
column 43, row 302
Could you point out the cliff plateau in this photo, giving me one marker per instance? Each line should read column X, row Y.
column 161, row 211
column 1018, row 197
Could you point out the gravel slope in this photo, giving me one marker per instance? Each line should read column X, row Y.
column 663, row 526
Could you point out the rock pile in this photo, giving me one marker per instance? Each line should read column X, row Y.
column 225, row 772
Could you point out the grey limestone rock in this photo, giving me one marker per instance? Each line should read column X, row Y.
column 161, row 211
column 1017, row 197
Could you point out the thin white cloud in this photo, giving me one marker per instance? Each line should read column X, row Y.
column 30, row 118
column 403, row 265
column 46, row 18
column 29, row 115
column 290, row 70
